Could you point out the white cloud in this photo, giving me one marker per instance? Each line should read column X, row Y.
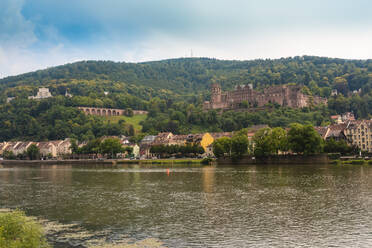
column 138, row 30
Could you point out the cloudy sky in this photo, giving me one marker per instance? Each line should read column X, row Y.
column 36, row 34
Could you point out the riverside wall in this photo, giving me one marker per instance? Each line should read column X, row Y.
column 56, row 162
column 280, row 159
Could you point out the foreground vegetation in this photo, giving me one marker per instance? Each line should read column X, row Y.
column 19, row 231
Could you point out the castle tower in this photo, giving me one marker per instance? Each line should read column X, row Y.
column 215, row 93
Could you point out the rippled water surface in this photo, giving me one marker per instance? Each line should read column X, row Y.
column 246, row 206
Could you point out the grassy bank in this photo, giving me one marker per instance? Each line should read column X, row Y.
column 352, row 162
column 134, row 120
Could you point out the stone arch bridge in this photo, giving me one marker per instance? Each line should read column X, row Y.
column 108, row 111
column 102, row 111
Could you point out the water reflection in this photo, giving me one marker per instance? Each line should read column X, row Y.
column 261, row 206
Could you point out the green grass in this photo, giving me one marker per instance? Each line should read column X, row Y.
column 19, row 231
column 351, row 162
column 134, row 120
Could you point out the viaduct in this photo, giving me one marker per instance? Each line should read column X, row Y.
column 109, row 111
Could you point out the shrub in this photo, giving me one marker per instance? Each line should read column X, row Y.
column 357, row 162
column 337, row 162
column 370, row 162
column 206, row 161
column 20, row 231
column 334, row 155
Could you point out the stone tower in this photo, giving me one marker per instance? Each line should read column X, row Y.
column 216, row 93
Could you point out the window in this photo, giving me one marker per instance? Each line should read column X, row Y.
column 362, row 133
column 364, row 146
column 363, row 140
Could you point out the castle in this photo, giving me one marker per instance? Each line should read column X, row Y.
column 41, row 94
column 284, row 95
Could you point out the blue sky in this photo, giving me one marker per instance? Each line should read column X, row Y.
column 36, row 34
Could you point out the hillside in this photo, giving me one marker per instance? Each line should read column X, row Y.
column 192, row 75
column 173, row 92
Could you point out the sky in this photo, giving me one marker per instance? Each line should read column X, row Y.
column 37, row 34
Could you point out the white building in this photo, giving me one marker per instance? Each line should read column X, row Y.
column 41, row 94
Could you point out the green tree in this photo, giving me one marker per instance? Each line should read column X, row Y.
column 239, row 145
column 222, row 147
column 33, row 152
column 333, row 146
column 263, row 145
column 111, row 147
column 279, row 139
column 304, row 139
column 74, row 146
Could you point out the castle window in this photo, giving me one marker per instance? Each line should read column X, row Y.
column 363, row 140
column 362, row 133
column 364, row 146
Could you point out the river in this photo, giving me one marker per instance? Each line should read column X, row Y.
column 206, row 206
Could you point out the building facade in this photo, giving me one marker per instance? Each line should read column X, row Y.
column 359, row 133
column 41, row 94
column 284, row 95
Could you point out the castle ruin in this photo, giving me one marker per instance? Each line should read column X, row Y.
column 284, row 95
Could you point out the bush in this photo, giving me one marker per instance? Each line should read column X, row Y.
column 337, row 162
column 334, row 155
column 20, row 231
column 206, row 161
column 357, row 161
column 370, row 162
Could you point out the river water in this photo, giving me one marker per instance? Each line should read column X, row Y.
column 183, row 206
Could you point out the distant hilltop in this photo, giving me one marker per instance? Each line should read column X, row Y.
column 193, row 75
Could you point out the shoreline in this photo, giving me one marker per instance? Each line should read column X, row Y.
column 102, row 162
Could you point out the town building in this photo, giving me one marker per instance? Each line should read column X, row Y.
column 284, row 95
column 359, row 133
column 68, row 94
column 47, row 149
column 345, row 117
column 21, row 147
column 41, row 94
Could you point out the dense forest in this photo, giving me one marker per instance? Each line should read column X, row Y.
column 173, row 92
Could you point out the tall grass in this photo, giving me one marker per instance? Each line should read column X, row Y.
column 19, row 231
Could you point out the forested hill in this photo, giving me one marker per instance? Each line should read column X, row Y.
column 192, row 75
column 172, row 91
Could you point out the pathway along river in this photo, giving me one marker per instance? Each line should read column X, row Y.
column 246, row 206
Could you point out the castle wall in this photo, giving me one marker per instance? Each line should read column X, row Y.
column 284, row 95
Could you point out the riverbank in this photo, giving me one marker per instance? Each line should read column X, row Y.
column 103, row 162
column 161, row 161
column 352, row 162
column 57, row 162
column 279, row 159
